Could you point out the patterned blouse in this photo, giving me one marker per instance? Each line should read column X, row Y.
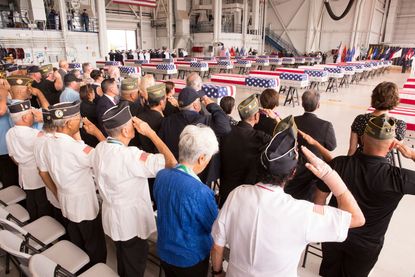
column 359, row 125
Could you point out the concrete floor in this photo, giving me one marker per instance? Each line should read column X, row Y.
column 396, row 259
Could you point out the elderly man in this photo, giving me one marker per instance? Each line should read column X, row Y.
column 127, row 212
column 303, row 185
column 48, row 81
column 63, row 68
column 86, row 75
column 20, row 141
column 71, row 91
column 194, row 81
column 108, row 100
column 266, row 229
column 186, row 207
column 247, row 151
column 68, row 175
column 130, row 95
column 114, row 73
column 190, row 102
column 378, row 188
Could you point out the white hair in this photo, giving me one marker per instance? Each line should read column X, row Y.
column 194, row 80
column 16, row 117
column 195, row 141
column 59, row 123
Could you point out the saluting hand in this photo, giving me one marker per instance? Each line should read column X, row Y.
column 142, row 127
column 88, row 126
column 405, row 150
column 315, row 164
column 206, row 100
column 56, row 75
column 173, row 101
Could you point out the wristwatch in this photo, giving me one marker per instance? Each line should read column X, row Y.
column 214, row 273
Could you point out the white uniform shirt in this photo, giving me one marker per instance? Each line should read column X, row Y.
column 20, row 142
column 40, row 162
column 121, row 173
column 68, row 163
column 147, row 56
column 267, row 230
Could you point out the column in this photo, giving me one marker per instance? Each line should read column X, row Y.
column 255, row 16
column 170, row 24
column 245, row 22
column 217, row 24
column 64, row 25
column 102, row 28
column 390, row 21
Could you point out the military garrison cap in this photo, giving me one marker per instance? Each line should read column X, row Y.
column 47, row 117
column 116, row 116
column 280, row 156
column 45, row 69
column 381, row 127
column 156, row 92
column 248, row 107
column 19, row 80
column 64, row 110
column 129, row 84
column 20, row 107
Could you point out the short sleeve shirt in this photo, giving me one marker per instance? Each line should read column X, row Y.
column 121, row 173
column 69, row 164
column 267, row 230
column 20, row 144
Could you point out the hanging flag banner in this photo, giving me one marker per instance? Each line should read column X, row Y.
column 143, row 3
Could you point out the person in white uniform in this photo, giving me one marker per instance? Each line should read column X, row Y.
column 69, row 177
column 121, row 173
column 265, row 228
column 20, row 141
column 48, row 130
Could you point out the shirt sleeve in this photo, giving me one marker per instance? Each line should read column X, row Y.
column 359, row 125
column 219, row 226
column 332, row 225
column 143, row 164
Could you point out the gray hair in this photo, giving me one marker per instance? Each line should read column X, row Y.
column 194, row 81
column 59, row 123
column 114, row 132
column 16, row 117
column 197, row 140
column 310, row 100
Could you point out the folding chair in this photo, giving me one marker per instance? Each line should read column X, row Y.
column 17, row 213
column 11, row 195
column 308, row 251
column 42, row 266
column 13, row 246
column 42, row 232
column 63, row 252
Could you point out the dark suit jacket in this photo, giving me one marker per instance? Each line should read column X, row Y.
column 104, row 103
column 240, row 153
column 303, row 184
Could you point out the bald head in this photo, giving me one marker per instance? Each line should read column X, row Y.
column 194, row 81
column 376, row 147
column 64, row 65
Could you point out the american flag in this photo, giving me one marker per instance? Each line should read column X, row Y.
column 75, row 66
column 190, row 59
column 127, row 70
column 316, row 73
column 143, row 3
column 262, row 61
column 224, row 62
column 141, row 62
column 243, row 62
column 334, row 69
column 215, row 91
column 166, row 66
column 112, row 63
column 260, row 82
column 198, row 64
column 293, row 76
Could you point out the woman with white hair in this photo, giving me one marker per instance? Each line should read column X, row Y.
column 186, row 206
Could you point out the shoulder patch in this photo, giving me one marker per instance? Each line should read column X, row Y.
column 144, row 156
column 87, row 149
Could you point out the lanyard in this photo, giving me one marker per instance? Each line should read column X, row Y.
column 114, row 141
column 187, row 170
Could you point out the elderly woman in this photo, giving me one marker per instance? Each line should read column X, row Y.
column 186, row 206
column 385, row 97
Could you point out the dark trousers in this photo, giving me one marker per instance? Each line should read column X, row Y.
column 348, row 260
column 37, row 203
column 198, row 270
column 131, row 257
column 89, row 236
column 8, row 172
